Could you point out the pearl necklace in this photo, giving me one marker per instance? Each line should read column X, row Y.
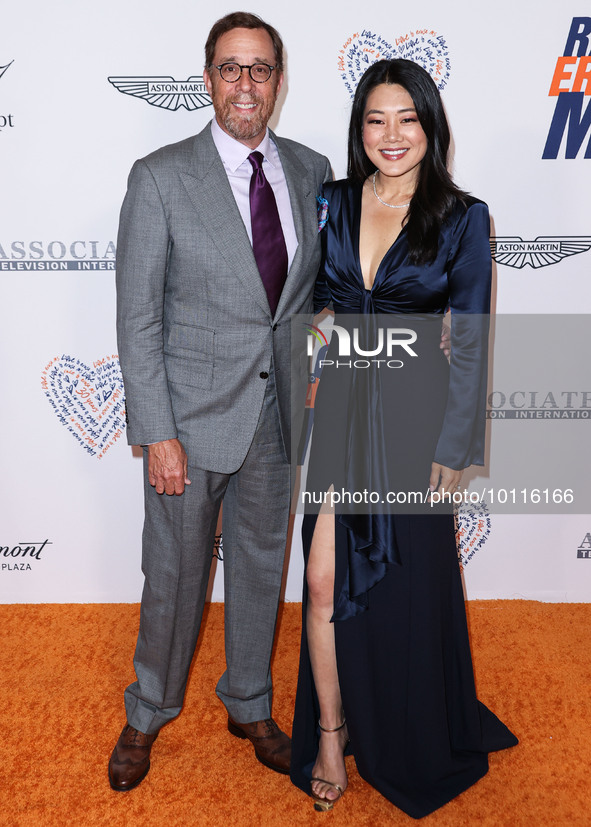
column 385, row 203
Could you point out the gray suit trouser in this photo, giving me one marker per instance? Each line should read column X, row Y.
column 178, row 542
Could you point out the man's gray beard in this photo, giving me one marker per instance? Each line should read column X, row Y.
column 244, row 130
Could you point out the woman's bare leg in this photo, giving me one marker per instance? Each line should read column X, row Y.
column 320, row 574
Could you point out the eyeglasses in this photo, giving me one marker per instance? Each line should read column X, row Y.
column 231, row 72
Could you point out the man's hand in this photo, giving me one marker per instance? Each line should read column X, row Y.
column 167, row 467
column 444, row 479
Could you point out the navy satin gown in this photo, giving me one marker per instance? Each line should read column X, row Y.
column 418, row 732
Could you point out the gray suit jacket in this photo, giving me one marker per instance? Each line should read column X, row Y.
column 195, row 333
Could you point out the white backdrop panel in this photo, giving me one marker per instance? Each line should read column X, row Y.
column 71, row 522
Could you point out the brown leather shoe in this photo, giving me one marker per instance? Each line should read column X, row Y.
column 130, row 761
column 271, row 746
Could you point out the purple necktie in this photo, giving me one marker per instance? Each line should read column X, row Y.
column 268, row 243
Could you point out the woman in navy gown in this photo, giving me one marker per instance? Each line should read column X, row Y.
column 385, row 668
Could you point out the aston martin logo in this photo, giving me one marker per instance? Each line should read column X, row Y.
column 545, row 250
column 4, row 68
column 166, row 93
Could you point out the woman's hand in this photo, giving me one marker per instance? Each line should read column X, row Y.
column 444, row 479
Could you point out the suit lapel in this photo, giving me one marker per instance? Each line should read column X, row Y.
column 302, row 196
column 208, row 188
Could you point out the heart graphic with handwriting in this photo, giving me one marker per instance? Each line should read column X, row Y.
column 88, row 401
column 473, row 525
column 422, row 45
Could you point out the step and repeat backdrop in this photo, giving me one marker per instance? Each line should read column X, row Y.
column 86, row 89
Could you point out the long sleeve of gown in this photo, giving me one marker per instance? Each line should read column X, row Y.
column 461, row 441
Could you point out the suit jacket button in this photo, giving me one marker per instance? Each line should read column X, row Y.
column 263, row 374
column 275, row 326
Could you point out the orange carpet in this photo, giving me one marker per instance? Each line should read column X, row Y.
column 63, row 669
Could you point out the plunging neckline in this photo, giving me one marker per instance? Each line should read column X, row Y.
column 357, row 241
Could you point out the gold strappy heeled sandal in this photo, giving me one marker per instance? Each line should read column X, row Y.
column 322, row 805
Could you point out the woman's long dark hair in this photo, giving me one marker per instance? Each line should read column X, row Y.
column 436, row 194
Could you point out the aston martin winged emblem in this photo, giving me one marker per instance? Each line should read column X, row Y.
column 4, row 68
column 513, row 251
column 166, row 92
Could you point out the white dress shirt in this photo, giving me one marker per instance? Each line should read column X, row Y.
column 238, row 168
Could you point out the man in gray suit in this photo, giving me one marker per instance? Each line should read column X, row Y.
column 204, row 347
